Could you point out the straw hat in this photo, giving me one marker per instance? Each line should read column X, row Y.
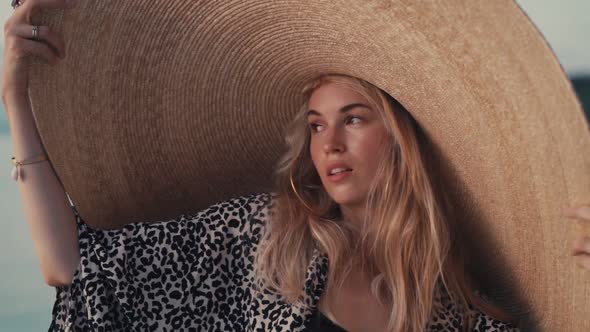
column 163, row 107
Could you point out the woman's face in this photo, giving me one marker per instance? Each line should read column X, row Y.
column 345, row 131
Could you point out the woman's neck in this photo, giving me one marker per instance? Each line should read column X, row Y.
column 354, row 215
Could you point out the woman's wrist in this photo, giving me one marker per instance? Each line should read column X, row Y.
column 23, row 128
column 9, row 95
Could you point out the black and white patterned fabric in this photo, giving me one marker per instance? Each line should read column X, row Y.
column 195, row 273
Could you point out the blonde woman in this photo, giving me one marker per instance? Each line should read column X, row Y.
column 356, row 237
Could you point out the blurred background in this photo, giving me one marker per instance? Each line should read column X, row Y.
column 26, row 301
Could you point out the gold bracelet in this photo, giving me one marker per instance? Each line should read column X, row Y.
column 15, row 174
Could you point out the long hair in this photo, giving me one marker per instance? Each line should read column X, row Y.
column 406, row 244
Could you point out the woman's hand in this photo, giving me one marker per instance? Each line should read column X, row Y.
column 581, row 246
column 19, row 44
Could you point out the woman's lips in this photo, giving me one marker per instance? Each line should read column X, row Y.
column 340, row 176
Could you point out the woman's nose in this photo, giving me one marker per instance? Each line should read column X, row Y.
column 333, row 141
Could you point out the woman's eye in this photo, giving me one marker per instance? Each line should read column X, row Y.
column 349, row 119
column 314, row 127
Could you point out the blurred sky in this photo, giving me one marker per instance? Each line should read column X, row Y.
column 564, row 23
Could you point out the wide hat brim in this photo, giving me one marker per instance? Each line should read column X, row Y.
column 165, row 107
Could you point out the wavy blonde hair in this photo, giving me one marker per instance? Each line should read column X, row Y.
column 406, row 245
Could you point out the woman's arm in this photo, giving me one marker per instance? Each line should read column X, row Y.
column 48, row 212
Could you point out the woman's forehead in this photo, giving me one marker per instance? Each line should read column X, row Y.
column 334, row 96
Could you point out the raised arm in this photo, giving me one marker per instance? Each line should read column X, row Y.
column 48, row 212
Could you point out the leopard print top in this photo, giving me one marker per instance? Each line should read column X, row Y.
column 194, row 273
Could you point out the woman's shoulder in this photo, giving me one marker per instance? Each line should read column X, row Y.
column 241, row 215
column 237, row 210
column 239, row 206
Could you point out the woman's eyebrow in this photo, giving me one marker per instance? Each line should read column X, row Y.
column 344, row 109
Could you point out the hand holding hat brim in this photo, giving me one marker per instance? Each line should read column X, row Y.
column 581, row 246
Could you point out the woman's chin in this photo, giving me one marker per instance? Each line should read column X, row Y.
column 344, row 199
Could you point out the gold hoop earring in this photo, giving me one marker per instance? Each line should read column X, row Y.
column 297, row 194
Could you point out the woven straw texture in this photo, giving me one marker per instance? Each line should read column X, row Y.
column 165, row 107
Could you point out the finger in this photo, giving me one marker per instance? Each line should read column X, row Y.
column 581, row 246
column 580, row 212
column 44, row 35
column 21, row 48
column 583, row 261
column 24, row 12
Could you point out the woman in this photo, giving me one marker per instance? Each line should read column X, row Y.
column 260, row 261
